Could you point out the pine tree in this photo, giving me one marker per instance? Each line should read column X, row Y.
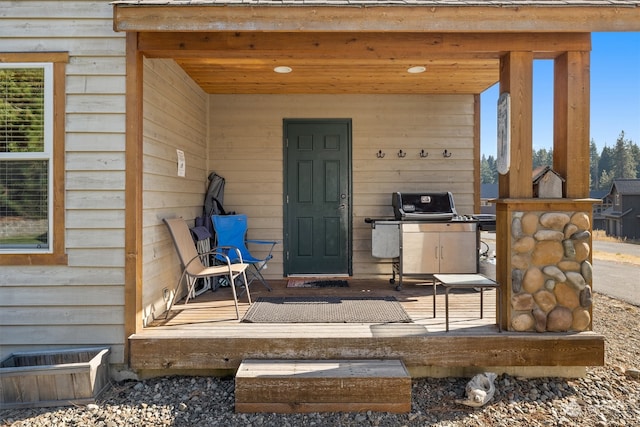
column 623, row 164
column 635, row 154
column 594, row 158
column 604, row 165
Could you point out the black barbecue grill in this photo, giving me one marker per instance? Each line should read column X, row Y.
column 425, row 236
column 423, row 207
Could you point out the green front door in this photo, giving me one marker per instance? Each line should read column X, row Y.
column 317, row 186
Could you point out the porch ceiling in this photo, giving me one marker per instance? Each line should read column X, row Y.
column 382, row 76
column 348, row 63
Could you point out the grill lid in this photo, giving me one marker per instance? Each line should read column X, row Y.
column 423, row 206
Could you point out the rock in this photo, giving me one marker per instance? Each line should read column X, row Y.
column 555, row 272
column 554, row 220
column 550, row 284
column 566, row 295
column 568, row 265
column 541, row 235
column 545, row 300
column 547, row 253
column 586, row 269
column 582, row 251
column 581, row 319
column 520, row 261
column 529, row 223
column 632, row 373
column 576, row 280
column 581, row 220
column 533, row 280
column 569, row 230
column 479, row 390
column 559, row 319
column 541, row 320
column 581, row 235
column 524, row 244
column 516, row 228
column 522, row 322
column 516, row 281
column 569, row 249
column 522, row 302
column 586, row 297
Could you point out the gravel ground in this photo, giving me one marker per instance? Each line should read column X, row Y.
column 606, row 396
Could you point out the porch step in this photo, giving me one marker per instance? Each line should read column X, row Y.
column 295, row 386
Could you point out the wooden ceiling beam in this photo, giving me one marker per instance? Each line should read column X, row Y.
column 356, row 46
column 192, row 17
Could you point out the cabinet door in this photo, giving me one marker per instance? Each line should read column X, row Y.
column 420, row 252
column 458, row 252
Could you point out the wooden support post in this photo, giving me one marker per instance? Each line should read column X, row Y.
column 516, row 74
column 571, row 122
column 516, row 78
column 133, row 193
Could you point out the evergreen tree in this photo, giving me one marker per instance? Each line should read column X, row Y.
column 635, row 154
column 621, row 161
column 624, row 166
column 606, row 179
column 485, row 171
column 594, row 158
column 493, row 167
column 542, row 157
column 604, row 165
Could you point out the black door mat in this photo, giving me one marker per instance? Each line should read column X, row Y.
column 326, row 309
column 314, row 283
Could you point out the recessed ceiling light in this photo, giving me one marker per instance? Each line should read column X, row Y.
column 417, row 69
column 283, row 69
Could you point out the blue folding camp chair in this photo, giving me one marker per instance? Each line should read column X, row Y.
column 231, row 230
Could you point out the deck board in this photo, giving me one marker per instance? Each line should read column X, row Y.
column 216, row 308
column 211, row 339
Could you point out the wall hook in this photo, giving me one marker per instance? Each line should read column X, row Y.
column 402, row 154
column 423, row 154
column 446, row 153
column 380, row 154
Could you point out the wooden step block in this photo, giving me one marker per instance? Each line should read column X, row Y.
column 293, row 386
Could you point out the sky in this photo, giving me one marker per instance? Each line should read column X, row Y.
column 615, row 96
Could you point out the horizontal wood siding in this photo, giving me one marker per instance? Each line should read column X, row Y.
column 82, row 303
column 175, row 117
column 247, row 149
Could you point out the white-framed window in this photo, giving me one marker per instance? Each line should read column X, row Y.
column 26, row 158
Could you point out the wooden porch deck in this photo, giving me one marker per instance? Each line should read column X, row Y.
column 207, row 338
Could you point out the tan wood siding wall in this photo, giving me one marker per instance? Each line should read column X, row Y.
column 247, row 149
column 175, row 118
column 82, row 303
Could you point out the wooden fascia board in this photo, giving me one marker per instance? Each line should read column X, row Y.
column 363, row 46
column 55, row 57
column 141, row 17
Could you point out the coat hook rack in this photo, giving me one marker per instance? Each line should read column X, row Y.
column 446, row 153
column 380, row 154
column 402, row 154
column 423, row 154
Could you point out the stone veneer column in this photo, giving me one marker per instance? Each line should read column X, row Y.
column 544, row 265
